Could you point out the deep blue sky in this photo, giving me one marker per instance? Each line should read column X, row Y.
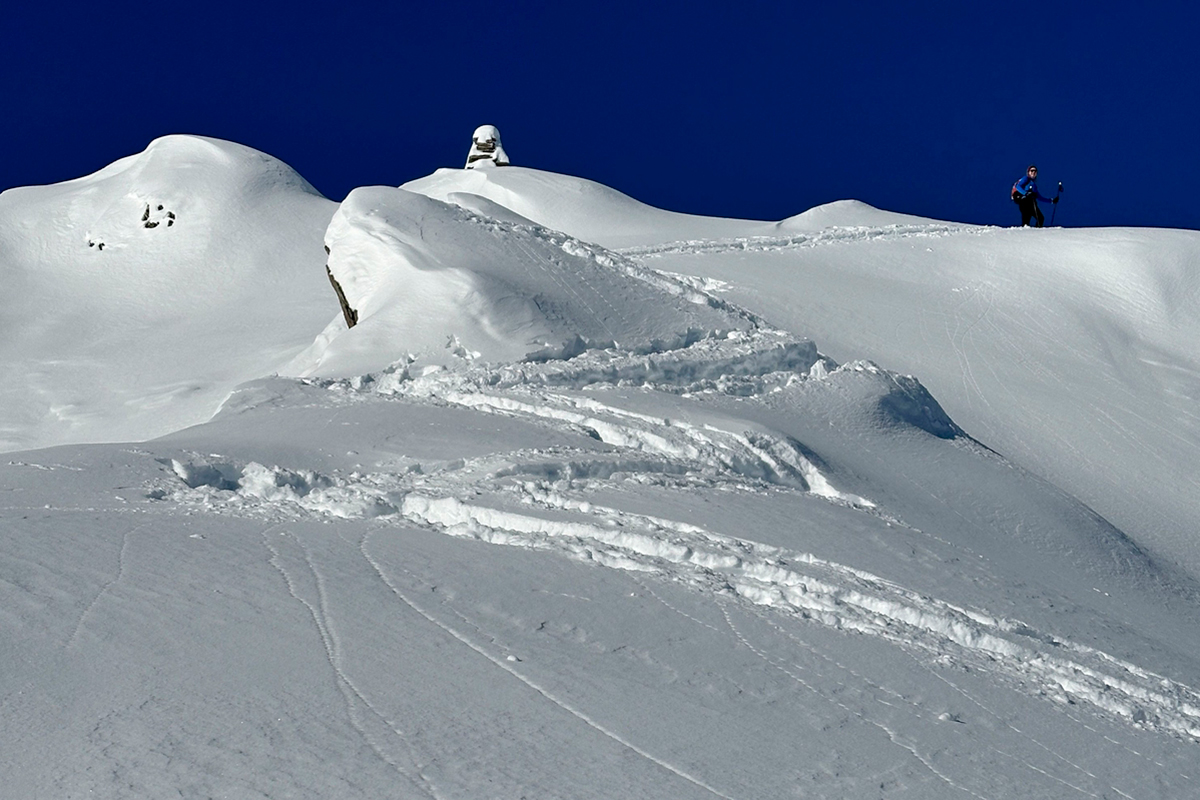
column 732, row 109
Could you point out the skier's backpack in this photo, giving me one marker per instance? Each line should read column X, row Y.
column 1016, row 193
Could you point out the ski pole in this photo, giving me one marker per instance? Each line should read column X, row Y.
column 1055, row 211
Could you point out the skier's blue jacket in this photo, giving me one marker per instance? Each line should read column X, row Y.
column 1027, row 186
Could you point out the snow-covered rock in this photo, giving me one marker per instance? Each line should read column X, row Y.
column 486, row 149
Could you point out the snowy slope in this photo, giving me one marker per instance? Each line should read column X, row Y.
column 631, row 534
column 529, row 581
column 137, row 297
column 1072, row 352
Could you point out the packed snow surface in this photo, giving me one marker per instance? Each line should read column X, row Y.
column 582, row 505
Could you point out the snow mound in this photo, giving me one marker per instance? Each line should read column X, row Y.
column 582, row 208
column 847, row 214
column 138, row 296
column 430, row 282
column 894, row 400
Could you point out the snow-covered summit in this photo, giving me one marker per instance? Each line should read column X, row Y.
column 138, row 296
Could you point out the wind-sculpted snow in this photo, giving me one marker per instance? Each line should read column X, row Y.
column 584, row 209
column 136, row 298
column 894, row 399
column 529, row 504
column 595, row 213
column 537, row 499
column 446, row 285
column 1071, row 351
column 851, row 214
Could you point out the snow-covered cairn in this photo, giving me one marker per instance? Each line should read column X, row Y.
column 486, row 150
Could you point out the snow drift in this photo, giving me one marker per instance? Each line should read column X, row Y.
column 436, row 284
column 137, row 297
column 587, row 210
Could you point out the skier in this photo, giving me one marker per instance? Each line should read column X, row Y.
column 1025, row 194
column 486, row 150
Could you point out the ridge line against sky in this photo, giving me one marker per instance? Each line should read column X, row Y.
column 752, row 112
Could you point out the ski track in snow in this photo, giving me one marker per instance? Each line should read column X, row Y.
column 828, row 236
column 965, row 323
column 566, row 286
column 897, row 699
column 306, row 584
column 107, row 587
column 892, row 736
column 1004, row 722
column 540, row 690
column 537, row 499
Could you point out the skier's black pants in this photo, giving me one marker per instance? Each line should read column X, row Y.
column 1029, row 209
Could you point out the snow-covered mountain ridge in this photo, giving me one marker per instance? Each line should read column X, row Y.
column 582, row 506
